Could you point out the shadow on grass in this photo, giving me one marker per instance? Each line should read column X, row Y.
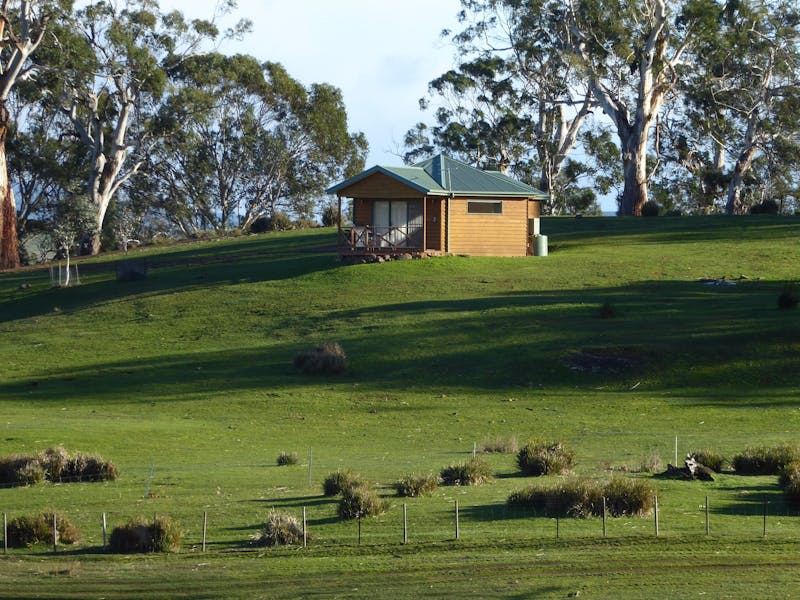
column 499, row 511
column 228, row 263
column 713, row 342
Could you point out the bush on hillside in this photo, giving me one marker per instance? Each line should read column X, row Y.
column 628, row 497
column 279, row 221
column 789, row 480
column 608, row 311
column 652, row 463
column 55, row 465
column 567, row 498
column 789, row 297
column 25, row 531
column 325, row 359
column 341, row 480
column 360, row 501
column 304, row 223
column 711, row 459
column 500, row 445
column 767, row 207
column 473, row 472
column 281, row 529
column 582, row 498
column 538, row 457
column 412, row 486
column 330, row 215
column 765, row 460
column 287, row 458
column 140, row 536
column 650, row 209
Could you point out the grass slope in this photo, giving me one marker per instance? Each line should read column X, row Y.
column 185, row 381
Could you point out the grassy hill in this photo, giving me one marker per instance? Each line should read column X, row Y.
column 185, row 381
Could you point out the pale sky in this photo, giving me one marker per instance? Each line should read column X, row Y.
column 380, row 53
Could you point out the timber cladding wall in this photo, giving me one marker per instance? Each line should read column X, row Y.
column 379, row 185
column 362, row 212
column 434, row 224
column 489, row 234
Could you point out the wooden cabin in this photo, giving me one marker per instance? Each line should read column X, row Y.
column 438, row 206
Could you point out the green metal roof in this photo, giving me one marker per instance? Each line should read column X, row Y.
column 442, row 176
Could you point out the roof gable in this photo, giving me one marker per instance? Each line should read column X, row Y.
column 441, row 175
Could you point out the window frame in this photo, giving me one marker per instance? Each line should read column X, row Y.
column 492, row 213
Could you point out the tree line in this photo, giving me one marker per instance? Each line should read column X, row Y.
column 116, row 117
column 690, row 104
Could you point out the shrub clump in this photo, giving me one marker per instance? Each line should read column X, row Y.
column 341, row 480
column 55, row 465
column 568, row 498
column 279, row 221
column 789, row 481
column 628, row 497
column 766, row 207
column 325, row 359
column 651, row 208
column 711, row 459
column 287, row 458
column 765, row 460
column 142, row 536
column 500, row 445
column 538, row 457
column 360, row 501
column 651, row 463
column 788, row 298
column 473, row 472
column 281, row 529
column 25, row 531
column 607, row 311
column 330, row 215
column 582, row 497
column 412, row 486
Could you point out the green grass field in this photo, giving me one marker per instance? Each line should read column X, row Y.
column 185, row 381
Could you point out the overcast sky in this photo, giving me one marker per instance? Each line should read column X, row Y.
column 380, row 53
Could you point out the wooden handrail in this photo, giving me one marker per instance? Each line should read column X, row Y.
column 366, row 238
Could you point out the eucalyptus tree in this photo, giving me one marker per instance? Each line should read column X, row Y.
column 743, row 100
column 514, row 100
column 42, row 162
column 22, row 28
column 72, row 218
column 113, row 77
column 252, row 140
column 630, row 53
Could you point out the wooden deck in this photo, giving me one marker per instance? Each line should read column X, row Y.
column 363, row 240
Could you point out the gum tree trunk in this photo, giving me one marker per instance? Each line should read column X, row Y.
column 9, row 245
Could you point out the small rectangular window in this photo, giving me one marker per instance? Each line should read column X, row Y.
column 485, row 207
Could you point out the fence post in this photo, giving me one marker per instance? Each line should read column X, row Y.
column 205, row 526
column 708, row 526
column 305, row 532
column 655, row 511
column 5, row 533
column 405, row 523
column 55, row 533
column 310, row 462
column 604, row 516
column 557, row 528
column 359, row 530
column 458, row 530
column 765, row 516
column 105, row 529
column 474, row 449
column 676, row 450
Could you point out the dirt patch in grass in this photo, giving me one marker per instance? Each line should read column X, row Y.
column 612, row 360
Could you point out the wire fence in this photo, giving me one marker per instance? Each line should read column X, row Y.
column 441, row 520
